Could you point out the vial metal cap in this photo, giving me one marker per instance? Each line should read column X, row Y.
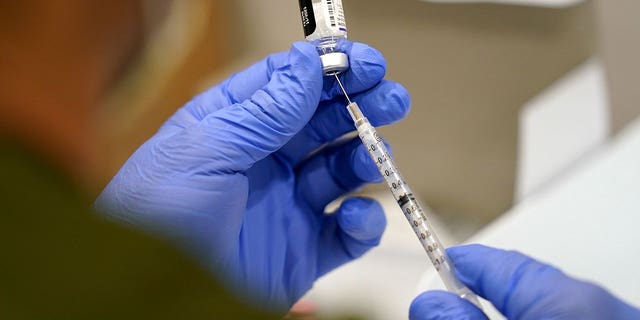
column 334, row 63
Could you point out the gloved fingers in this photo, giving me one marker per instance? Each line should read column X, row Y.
column 238, row 136
column 513, row 282
column 350, row 232
column 436, row 305
column 334, row 171
column 387, row 103
column 367, row 68
column 237, row 88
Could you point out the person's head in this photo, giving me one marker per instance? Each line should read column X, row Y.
column 58, row 58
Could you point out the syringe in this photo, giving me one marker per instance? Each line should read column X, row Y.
column 407, row 201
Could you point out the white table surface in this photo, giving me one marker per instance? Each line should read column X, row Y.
column 587, row 223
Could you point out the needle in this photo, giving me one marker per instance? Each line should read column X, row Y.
column 342, row 87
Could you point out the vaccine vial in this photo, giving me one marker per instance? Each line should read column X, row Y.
column 324, row 26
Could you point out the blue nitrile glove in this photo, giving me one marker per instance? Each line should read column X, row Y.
column 520, row 288
column 240, row 176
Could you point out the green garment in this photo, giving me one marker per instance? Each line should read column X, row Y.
column 58, row 260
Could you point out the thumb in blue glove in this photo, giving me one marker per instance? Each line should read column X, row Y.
column 520, row 288
column 240, row 176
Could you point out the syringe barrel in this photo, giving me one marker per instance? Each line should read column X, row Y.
column 413, row 211
column 325, row 26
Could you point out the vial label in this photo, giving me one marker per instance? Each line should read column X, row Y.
column 308, row 17
column 336, row 14
column 322, row 19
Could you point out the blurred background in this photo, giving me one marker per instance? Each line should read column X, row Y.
column 506, row 98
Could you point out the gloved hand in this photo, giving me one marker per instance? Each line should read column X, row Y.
column 520, row 288
column 240, row 176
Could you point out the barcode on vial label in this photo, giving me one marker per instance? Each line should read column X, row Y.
column 332, row 15
column 336, row 14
